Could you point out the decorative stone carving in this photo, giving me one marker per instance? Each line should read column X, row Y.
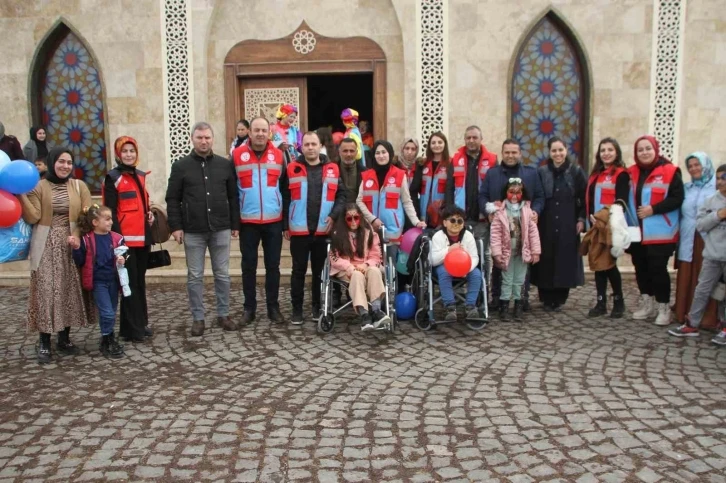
column 303, row 42
column 431, row 67
column 265, row 102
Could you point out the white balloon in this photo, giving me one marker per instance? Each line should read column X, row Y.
column 4, row 159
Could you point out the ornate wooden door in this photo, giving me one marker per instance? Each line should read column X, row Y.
column 262, row 96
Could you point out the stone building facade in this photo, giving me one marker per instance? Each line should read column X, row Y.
column 156, row 66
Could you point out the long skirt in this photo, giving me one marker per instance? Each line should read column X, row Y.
column 686, row 282
column 57, row 299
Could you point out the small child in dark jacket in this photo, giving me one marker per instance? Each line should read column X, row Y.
column 94, row 253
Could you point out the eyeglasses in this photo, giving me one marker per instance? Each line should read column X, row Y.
column 455, row 221
column 352, row 218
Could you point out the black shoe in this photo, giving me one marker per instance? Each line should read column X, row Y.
column 517, row 311
column 316, row 312
column 618, row 307
column 556, row 307
column 148, row 331
column 504, row 309
column 247, row 317
column 65, row 346
column 297, row 317
column 366, row 323
column 380, row 318
column 525, row 306
column 548, row 307
column 44, row 349
column 116, row 350
column 275, row 316
column 600, row 308
column 451, row 315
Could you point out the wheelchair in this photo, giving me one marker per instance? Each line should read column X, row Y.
column 424, row 280
column 329, row 313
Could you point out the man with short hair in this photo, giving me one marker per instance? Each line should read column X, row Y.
column 203, row 212
column 350, row 169
column 491, row 190
column 11, row 145
column 261, row 181
column 314, row 199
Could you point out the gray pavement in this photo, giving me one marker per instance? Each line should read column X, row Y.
column 557, row 398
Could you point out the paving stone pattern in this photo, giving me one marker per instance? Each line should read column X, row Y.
column 558, row 398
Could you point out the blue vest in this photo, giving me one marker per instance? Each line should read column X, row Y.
column 258, row 184
column 657, row 229
column 385, row 203
column 298, row 181
column 433, row 187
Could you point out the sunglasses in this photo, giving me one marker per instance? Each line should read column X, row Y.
column 352, row 218
column 455, row 221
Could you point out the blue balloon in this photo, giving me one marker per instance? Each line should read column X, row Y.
column 405, row 306
column 19, row 177
column 4, row 159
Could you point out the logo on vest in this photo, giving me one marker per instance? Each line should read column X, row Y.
column 608, row 179
column 331, row 171
column 658, row 179
column 369, row 183
column 391, row 180
column 245, row 157
column 461, row 162
column 426, row 171
column 270, row 156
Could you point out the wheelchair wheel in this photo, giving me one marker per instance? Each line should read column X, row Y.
column 422, row 320
column 476, row 325
column 326, row 323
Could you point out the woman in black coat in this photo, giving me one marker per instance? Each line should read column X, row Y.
column 560, row 224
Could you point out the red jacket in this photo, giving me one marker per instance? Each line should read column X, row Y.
column 132, row 205
column 87, row 268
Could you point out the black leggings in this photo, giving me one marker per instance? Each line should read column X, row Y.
column 616, row 281
column 651, row 273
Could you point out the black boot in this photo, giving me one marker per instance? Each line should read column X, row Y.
column 600, row 308
column 65, row 346
column 618, row 307
column 517, row 312
column 44, row 349
column 115, row 350
column 504, row 309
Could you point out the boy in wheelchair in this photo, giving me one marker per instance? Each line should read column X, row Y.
column 453, row 236
column 355, row 258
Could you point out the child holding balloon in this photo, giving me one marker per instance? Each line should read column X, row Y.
column 514, row 243
column 454, row 236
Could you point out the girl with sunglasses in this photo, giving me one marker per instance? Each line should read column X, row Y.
column 355, row 258
column 454, row 236
column 514, row 243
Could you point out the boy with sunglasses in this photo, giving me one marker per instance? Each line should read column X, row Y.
column 711, row 223
column 454, row 236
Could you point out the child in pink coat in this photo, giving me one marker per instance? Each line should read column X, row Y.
column 514, row 244
column 355, row 257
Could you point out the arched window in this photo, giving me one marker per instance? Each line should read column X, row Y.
column 67, row 98
column 550, row 91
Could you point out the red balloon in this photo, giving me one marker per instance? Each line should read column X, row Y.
column 10, row 209
column 457, row 262
column 337, row 137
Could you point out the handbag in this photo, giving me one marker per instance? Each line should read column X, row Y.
column 159, row 258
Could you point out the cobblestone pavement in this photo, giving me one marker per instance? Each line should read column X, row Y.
column 558, row 398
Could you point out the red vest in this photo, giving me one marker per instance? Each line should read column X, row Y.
column 657, row 229
column 487, row 161
column 605, row 181
column 87, row 269
column 132, row 207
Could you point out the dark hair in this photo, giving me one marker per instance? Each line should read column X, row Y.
column 525, row 194
column 259, row 117
column 721, row 168
column 348, row 140
column 387, row 146
column 326, row 139
column 340, row 241
column 244, row 122
column 510, row 141
column 90, row 213
column 599, row 165
column 445, row 155
column 452, row 210
column 312, row 133
column 556, row 139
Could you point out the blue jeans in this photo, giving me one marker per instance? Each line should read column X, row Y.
column 105, row 294
column 473, row 286
column 195, row 248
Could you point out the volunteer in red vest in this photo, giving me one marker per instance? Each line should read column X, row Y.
column 609, row 183
column 384, row 197
column 316, row 196
column 124, row 192
column 470, row 164
column 260, row 181
column 656, row 197
column 429, row 184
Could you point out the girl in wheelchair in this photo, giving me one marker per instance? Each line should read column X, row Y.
column 355, row 258
column 453, row 236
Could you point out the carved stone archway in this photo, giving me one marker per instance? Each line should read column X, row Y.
column 301, row 53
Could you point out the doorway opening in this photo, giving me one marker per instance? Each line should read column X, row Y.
column 328, row 95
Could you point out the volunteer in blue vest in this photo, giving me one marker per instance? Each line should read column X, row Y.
column 492, row 189
column 316, row 196
column 609, row 183
column 656, row 197
column 124, row 192
column 261, row 179
column 384, row 197
column 429, row 184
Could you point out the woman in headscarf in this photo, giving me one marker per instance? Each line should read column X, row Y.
column 407, row 158
column 57, row 301
column 656, row 198
column 284, row 135
column 243, row 134
column 690, row 244
column 124, row 192
column 38, row 146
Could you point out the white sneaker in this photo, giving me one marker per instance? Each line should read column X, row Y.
column 646, row 309
column 664, row 315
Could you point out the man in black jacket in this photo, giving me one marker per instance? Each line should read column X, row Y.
column 203, row 212
column 318, row 195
